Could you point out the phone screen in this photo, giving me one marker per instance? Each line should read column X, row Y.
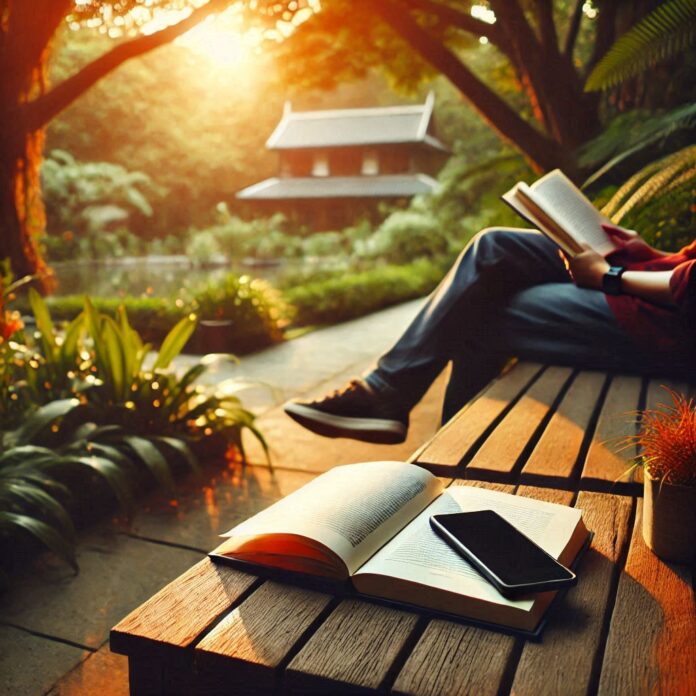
column 506, row 551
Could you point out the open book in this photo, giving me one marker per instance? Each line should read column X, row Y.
column 370, row 523
column 562, row 212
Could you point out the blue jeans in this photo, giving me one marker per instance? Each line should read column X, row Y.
column 508, row 294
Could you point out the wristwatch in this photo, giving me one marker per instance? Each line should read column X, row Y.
column 611, row 281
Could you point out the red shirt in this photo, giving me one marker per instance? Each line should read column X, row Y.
column 656, row 326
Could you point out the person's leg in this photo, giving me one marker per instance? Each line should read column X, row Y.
column 556, row 323
column 496, row 265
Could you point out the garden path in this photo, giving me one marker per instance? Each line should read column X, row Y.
column 55, row 626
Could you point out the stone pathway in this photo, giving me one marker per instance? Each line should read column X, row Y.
column 54, row 626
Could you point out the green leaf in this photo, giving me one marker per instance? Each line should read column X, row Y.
column 43, row 321
column 41, row 419
column 114, row 476
column 46, row 534
column 175, row 341
column 114, row 351
column 153, row 459
column 34, row 499
column 181, row 448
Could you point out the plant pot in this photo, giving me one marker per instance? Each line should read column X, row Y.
column 669, row 519
column 214, row 335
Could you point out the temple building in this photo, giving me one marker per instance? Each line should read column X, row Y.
column 337, row 166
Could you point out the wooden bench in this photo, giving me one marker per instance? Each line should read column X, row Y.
column 629, row 626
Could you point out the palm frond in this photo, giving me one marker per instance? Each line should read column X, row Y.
column 652, row 182
column 662, row 34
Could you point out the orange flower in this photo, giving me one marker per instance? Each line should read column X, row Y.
column 10, row 323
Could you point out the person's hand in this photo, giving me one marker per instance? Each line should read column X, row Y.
column 587, row 268
column 629, row 241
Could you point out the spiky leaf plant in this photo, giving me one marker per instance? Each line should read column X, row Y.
column 665, row 32
column 668, row 441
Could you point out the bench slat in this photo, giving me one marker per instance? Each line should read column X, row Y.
column 499, row 454
column 353, row 649
column 605, row 466
column 563, row 663
column 181, row 611
column 452, row 443
column 556, row 454
column 651, row 647
column 252, row 641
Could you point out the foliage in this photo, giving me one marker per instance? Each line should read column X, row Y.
column 666, row 32
column 125, row 425
column 667, row 440
column 658, row 200
column 252, row 305
column 351, row 295
column 94, row 197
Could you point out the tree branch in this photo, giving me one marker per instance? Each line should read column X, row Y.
column 573, row 29
column 547, row 27
column 539, row 149
column 458, row 19
column 604, row 34
column 41, row 110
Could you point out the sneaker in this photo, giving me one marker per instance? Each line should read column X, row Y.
column 356, row 411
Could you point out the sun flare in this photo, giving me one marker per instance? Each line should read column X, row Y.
column 222, row 45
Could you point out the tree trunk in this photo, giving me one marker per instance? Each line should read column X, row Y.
column 21, row 206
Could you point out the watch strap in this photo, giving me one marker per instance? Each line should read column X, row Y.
column 611, row 281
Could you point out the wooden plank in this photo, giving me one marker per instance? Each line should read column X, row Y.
column 181, row 611
column 353, row 650
column 608, row 458
column 651, row 646
column 452, row 443
column 556, row 455
column 252, row 642
column 453, row 658
column 564, row 662
column 499, row 455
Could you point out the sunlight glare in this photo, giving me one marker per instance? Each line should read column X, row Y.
column 221, row 45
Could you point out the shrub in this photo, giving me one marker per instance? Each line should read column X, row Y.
column 351, row 295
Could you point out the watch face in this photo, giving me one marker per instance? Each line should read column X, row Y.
column 611, row 282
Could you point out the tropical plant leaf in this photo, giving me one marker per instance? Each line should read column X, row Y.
column 43, row 322
column 181, row 448
column 153, row 459
column 33, row 499
column 47, row 535
column 114, row 476
column 669, row 29
column 41, row 419
column 175, row 341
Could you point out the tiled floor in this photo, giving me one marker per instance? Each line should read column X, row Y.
column 55, row 625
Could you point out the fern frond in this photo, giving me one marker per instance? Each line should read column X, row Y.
column 653, row 182
column 667, row 30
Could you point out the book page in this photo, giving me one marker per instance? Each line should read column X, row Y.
column 559, row 198
column 418, row 555
column 351, row 510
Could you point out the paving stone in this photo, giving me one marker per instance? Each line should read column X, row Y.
column 31, row 665
column 117, row 574
column 205, row 509
column 102, row 672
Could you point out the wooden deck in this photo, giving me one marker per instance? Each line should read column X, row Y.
column 628, row 627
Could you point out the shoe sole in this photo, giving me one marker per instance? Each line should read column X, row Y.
column 384, row 432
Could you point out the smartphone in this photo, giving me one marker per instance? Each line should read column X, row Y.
column 506, row 557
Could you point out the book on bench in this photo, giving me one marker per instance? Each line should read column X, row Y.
column 369, row 524
column 560, row 210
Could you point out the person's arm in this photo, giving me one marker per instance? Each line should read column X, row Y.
column 587, row 270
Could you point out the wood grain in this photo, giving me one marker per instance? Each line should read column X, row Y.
column 498, row 456
column 608, row 458
column 353, row 650
column 651, row 647
column 253, row 640
column 555, row 456
column 453, row 658
column 181, row 611
column 453, row 442
column 563, row 663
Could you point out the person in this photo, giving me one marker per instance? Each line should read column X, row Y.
column 511, row 293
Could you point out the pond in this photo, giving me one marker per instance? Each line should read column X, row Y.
column 161, row 276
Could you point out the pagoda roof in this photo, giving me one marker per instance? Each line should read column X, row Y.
column 387, row 125
column 292, row 188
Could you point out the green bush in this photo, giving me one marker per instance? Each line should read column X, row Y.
column 352, row 295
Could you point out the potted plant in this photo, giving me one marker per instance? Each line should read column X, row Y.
column 667, row 439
